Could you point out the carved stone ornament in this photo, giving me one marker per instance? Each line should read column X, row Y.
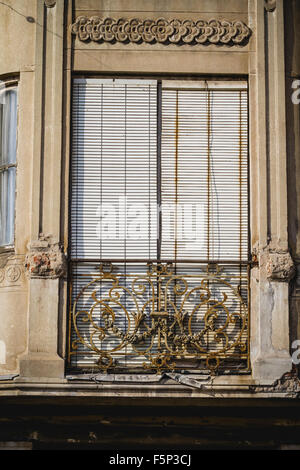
column 280, row 266
column 13, row 273
column 11, row 270
column 45, row 259
column 50, row 3
column 270, row 5
column 160, row 30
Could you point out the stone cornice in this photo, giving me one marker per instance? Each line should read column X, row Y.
column 160, row 30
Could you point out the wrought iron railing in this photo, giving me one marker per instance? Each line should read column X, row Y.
column 159, row 315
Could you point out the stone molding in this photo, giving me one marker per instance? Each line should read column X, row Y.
column 160, row 30
column 45, row 259
column 11, row 270
column 50, row 3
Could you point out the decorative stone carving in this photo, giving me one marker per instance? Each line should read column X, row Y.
column 50, row 3
column 11, row 269
column 45, row 259
column 280, row 266
column 270, row 5
column 160, row 30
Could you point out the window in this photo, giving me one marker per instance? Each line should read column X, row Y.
column 159, row 225
column 8, row 145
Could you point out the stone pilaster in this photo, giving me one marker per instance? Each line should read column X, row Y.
column 45, row 264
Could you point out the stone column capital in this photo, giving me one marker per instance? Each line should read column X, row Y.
column 50, row 3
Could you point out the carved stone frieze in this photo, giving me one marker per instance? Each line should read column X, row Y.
column 270, row 5
column 160, row 30
column 50, row 3
column 45, row 259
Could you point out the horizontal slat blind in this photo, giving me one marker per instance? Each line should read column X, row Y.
column 114, row 191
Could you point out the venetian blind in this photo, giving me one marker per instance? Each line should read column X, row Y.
column 114, row 169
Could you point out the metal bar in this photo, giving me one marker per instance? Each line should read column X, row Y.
column 249, row 318
column 204, row 88
column 208, row 184
column 208, row 174
column 240, row 188
column 193, row 261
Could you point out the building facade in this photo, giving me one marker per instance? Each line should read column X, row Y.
column 155, row 109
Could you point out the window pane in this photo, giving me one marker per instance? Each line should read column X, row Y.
column 8, row 123
column 137, row 144
column 7, row 206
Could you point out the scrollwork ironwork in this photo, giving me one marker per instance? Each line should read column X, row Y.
column 159, row 318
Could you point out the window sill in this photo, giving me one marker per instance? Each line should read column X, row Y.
column 7, row 249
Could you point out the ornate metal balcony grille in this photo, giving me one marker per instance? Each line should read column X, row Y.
column 158, row 316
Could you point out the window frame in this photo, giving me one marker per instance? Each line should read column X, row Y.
column 6, row 86
column 202, row 82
